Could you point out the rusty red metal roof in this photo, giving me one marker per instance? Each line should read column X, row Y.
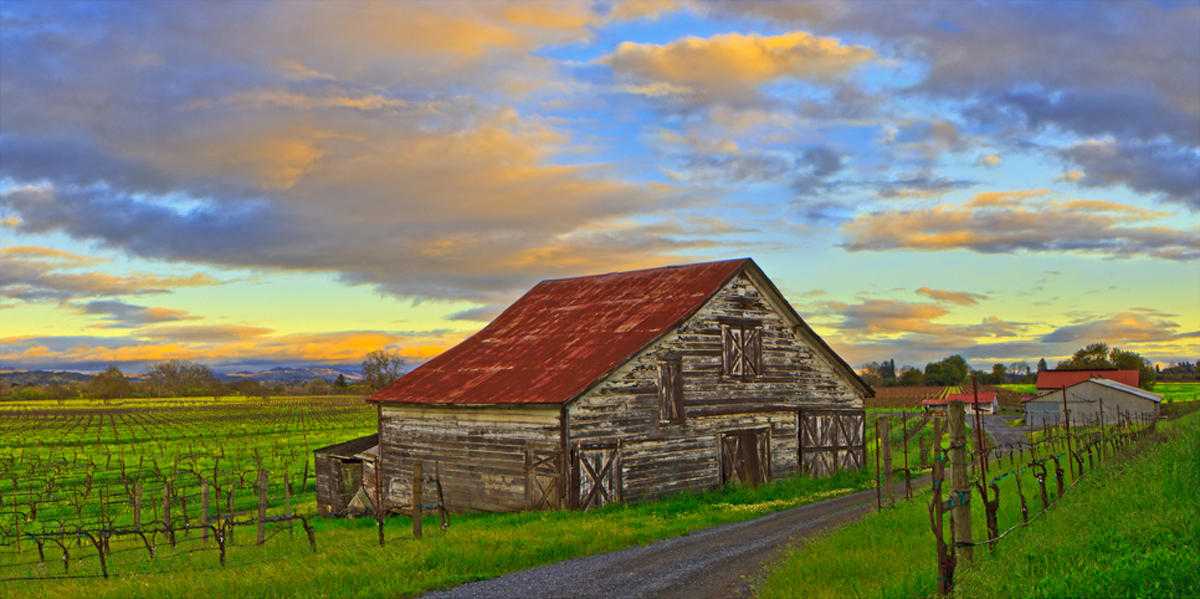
column 562, row 337
column 1054, row 379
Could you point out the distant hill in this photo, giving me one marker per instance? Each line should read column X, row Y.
column 292, row 376
column 20, row 376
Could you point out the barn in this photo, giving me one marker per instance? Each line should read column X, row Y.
column 1057, row 379
column 984, row 403
column 1088, row 399
column 622, row 387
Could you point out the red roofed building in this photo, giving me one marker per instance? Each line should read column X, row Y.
column 986, row 404
column 1057, row 379
column 624, row 386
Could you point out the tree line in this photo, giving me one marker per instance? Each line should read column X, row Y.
column 184, row 378
column 954, row 370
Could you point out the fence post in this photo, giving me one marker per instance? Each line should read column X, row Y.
column 262, row 506
column 167, row 513
column 961, row 488
column 878, row 473
column 287, row 503
column 137, row 504
column 885, row 450
column 904, row 436
column 204, row 511
column 416, row 499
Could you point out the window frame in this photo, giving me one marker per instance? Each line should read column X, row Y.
column 670, row 389
column 741, row 348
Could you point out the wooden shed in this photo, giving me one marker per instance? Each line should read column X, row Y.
column 1088, row 399
column 339, row 470
column 621, row 387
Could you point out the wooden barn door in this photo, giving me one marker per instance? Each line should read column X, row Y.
column 543, row 478
column 746, row 456
column 595, row 475
column 831, row 440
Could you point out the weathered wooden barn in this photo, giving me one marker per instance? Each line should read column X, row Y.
column 1088, row 399
column 624, row 386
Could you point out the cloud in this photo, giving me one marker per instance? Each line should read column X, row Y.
column 962, row 298
column 1015, row 223
column 731, row 67
column 1152, row 168
column 218, row 346
column 1115, row 329
column 121, row 314
column 44, row 274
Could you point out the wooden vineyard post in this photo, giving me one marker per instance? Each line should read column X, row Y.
column 262, row 506
column 878, row 497
column 416, row 499
column 204, row 511
column 960, row 488
column 904, row 438
column 886, row 455
column 945, row 555
column 1067, row 424
column 287, row 503
column 137, row 504
column 167, row 513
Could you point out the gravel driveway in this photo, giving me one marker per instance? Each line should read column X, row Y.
column 722, row 561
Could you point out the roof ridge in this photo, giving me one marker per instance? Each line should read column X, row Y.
column 651, row 269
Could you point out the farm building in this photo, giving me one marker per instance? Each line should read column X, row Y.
column 986, row 403
column 1057, row 379
column 620, row 387
column 1088, row 399
column 339, row 470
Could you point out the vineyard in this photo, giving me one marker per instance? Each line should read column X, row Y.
column 80, row 478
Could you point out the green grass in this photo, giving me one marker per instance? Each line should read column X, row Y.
column 1129, row 528
column 349, row 562
column 1178, row 391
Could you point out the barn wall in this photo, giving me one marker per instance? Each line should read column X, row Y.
column 480, row 453
column 661, row 458
column 1084, row 403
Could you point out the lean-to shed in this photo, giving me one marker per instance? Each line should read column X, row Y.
column 1088, row 399
column 339, row 470
column 624, row 386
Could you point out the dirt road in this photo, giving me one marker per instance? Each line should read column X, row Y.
column 723, row 561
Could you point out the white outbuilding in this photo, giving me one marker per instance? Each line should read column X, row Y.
column 1087, row 400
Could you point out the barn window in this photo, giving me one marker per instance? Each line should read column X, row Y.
column 741, row 348
column 670, row 389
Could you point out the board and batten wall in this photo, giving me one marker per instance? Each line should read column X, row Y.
column 1084, row 401
column 659, row 458
column 481, row 451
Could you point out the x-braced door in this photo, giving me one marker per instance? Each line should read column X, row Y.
column 746, row 456
column 831, row 440
column 543, row 478
column 595, row 475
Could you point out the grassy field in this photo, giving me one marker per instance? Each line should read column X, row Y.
column 74, row 464
column 1130, row 528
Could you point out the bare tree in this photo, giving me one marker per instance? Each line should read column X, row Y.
column 109, row 384
column 381, row 367
column 181, row 377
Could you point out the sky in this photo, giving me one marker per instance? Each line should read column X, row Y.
column 253, row 184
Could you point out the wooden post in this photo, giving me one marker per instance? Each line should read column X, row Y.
column 416, row 499
column 886, row 451
column 904, row 437
column 960, row 487
column 878, row 498
column 287, row 502
column 137, row 504
column 167, row 512
column 1067, row 424
column 262, row 506
column 204, row 511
